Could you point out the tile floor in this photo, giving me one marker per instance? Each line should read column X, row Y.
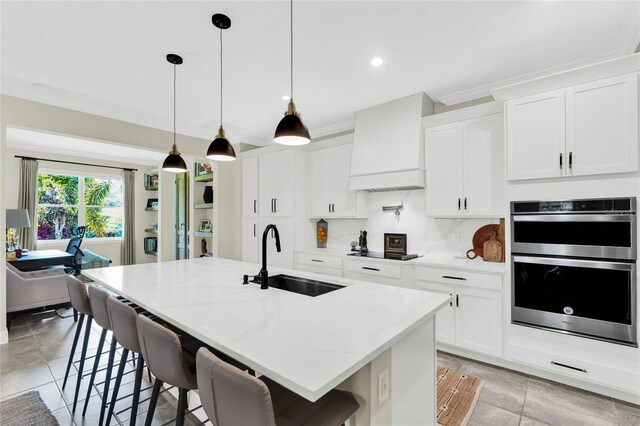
column 513, row 398
column 36, row 357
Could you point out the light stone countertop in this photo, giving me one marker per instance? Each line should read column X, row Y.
column 307, row 344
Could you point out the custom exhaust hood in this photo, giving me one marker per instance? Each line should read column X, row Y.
column 388, row 148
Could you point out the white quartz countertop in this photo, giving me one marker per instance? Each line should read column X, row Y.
column 446, row 261
column 307, row 344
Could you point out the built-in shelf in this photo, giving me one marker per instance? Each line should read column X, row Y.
column 203, row 206
column 152, row 253
column 151, row 188
column 203, row 234
column 151, row 209
column 204, row 178
column 151, row 231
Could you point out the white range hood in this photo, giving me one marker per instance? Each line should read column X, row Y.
column 388, row 148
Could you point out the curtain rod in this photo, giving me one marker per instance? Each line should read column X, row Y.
column 73, row 162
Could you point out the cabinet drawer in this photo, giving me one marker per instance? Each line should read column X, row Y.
column 319, row 260
column 585, row 370
column 317, row 269
column 453, row 276
column 375, row 269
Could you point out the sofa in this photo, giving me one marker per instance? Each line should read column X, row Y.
column 34, row 289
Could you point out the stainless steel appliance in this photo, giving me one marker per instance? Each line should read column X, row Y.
column 574, row 267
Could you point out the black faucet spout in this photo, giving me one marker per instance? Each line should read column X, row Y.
column 264, row 274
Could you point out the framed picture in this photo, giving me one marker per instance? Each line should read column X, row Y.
column 152, row 202
column 203, row 169
column 395, row 244
column 205, row 225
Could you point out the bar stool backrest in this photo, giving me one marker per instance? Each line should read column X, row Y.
column 123, row 321
column 78, row 295
column 162, row 350
column 98, row 298
column 230, row 396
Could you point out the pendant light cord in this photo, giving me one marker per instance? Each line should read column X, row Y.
column 174, row 108
column 291, row 38
column 220, row 77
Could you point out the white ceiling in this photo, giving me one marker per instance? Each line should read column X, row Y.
column 108, row 58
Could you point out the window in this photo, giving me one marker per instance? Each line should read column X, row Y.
column 67, row 201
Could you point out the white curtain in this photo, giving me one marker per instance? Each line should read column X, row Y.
column 128, row 255
column 28, row 199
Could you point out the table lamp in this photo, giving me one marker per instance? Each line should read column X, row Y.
column 17, row 218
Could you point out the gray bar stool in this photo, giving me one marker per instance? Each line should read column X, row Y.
column 80, row 302
column 98, row 298
column 123, row 321
column 162, row 349
column 230, row 396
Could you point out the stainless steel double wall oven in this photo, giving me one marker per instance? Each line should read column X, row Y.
column 574, row 267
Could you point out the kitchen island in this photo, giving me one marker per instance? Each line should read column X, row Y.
column 349, row 338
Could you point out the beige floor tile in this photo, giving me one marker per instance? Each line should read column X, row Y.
column 570, row 390
column 12, row 362
column 449, row 361
column 626, row 418
column 19, row 331
column 70, row 389
column 23, row 379
column 49, row 393
column 488, row 415
column 499, row 390
column 526, row 421
column 59, row 366
column 63, row 416
column 555, row 406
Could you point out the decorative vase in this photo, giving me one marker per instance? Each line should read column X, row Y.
column 322, row 228
column 208, row 194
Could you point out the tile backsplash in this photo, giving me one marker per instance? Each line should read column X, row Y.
column 424, row 235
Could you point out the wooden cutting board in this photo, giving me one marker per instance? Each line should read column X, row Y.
column 492, row 249
column 482, row 234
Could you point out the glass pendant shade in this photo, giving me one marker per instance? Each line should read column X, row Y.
column 221, row 149
column 291, row 130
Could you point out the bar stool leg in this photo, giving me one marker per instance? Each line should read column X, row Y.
column 157, row 384
column 114, row 398
column 107, row 379
column 182, row 406
column 73, row 350
column 136, row 390
column 96, row 364
column 85, row 343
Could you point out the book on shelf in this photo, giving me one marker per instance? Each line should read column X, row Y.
column 151, row 244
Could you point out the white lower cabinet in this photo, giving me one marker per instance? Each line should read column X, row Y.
column 373, row 272
column 473, row 319
column 319, row 264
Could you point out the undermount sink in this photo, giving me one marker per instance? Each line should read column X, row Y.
column 300, row 285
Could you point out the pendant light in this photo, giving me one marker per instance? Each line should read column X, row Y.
column 174, row 162
column 221, row 149
column 291, row 130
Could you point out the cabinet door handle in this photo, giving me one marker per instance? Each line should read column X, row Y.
column 254, row 230
column 275, row 205
column 316, row 260
column 450, row 277
column 465, row 203
column 559, row 364
column 457, row 301
column 272, row 205
column 333, row 208
column 371, row 269
column 458, row 203
column 560, row 161
column 451, row 301
column 255, row 206
column 570, row 160
column 329, row 208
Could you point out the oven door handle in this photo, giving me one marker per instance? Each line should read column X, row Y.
column 578, row 263
column 615, row 217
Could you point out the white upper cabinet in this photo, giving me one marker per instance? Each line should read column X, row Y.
column 587, row 129
column 330, row 194
column 536, row 136
column 250, row 187
column 276, row 184
column 465, row 167
column 250, row 240
column 602, row 126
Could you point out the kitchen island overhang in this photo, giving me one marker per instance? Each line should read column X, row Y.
column 308, row 344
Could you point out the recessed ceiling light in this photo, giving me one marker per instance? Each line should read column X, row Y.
column 377, row 61
column 285, row 98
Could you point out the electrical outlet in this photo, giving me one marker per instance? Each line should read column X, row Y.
column 455, row 237
column 383, row 386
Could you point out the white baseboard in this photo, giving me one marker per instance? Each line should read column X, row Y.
column 4, row 336
column 538, row 372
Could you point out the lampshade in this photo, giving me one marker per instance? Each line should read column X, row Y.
column 18, row 218
column 221, row 149
column 174, row 163
column 291, row 130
